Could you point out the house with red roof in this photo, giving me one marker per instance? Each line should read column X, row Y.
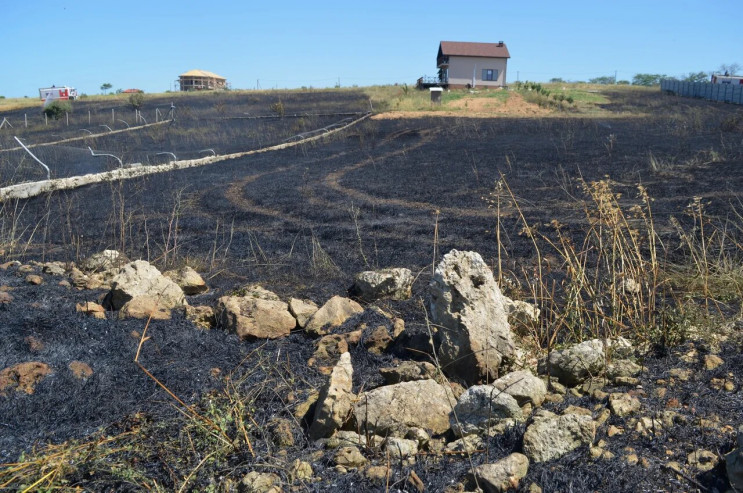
column 471, row 65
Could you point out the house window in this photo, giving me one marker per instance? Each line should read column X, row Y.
column 489, row 74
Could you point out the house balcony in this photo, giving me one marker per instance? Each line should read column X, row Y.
column 426, row 82
column 442, row 62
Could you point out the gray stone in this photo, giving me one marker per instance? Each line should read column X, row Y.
column 401, row 448
column 578, row 363
column 551, row 437
column 394, row 409
column 386, row 283
column 334, row 404
column 139, row 278
column 523, row 386
column 467, row 306
column 332, row 314
column 500, row 476
column 481, row 408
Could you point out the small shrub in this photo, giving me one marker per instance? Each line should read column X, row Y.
column 278, row 108
column 136, row 99
column 57, row 109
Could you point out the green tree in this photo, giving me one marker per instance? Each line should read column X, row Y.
column 696, row 77
column 106, row 86
column 556, row 80
column 136, row 99
column 647, row 79
column 607, row 79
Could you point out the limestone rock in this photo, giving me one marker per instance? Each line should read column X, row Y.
column 260, row 482
column 253, row 317
column 521, row 312
column 401, row 449
column 577, row 363
column 623, row 404
column 523, row 386
column 300, row 471
column 474, row 336
column 386, row 283
column 102, row 261
column 54, row 268
column 394, row 409
column 335, row 401
column 501, row 476
column 332, row 314
column 347, row 438
column 551, row 437
column 408, row 371
column 188, row 279
column 481, row 408
column 139, row 278
column 349, row 457
column 201, row 316
column 91, row 309
column 144, row 307
column 302, row 310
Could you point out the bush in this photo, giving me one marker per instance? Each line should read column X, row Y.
column 136, row 99
column 57, row 109
column 278, row 108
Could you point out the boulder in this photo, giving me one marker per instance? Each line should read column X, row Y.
column 500, row 476
column 481, row 409
column 302, row 310
column 334, row 404
column 252, row 317
column 139, row 278
column 466, row 304
column 523, row 386
column 550, row 437
column 386, row 283
column 188, row 279
column 54, row 268
column 394, row 409
column 332, row 314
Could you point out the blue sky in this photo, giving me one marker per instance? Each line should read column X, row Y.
column 288, row 44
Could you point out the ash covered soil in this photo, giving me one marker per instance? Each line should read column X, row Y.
column 301, row 222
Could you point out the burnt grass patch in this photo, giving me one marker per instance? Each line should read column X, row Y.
column 301, row 222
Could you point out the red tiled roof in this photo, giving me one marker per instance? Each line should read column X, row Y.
column 490, row 50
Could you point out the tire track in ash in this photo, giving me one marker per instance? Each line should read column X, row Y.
column 333, row 181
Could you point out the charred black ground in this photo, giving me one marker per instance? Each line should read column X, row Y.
column 302, row 222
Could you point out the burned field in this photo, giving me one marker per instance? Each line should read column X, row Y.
column 303, row 221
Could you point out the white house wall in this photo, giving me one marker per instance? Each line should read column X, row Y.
column 461, row 68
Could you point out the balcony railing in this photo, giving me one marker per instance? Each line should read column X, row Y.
column 427, row 81
column 442, row 61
